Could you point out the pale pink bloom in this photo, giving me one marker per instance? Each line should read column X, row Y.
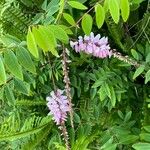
column 58, row 106
column 94, row 45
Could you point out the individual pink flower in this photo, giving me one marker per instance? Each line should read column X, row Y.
column 94, row 45
column 58, row 106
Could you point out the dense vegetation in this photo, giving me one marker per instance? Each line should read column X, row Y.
column 110, row 96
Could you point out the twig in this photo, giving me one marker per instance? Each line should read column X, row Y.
column 65, row 135
column 125, row 58
column 67, row 83
column 62, row 5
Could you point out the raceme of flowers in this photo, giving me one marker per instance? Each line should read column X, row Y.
column 58, row 106
column 93, row 45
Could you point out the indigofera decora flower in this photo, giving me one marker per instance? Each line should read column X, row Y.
column 58, row 106
column 94, row 45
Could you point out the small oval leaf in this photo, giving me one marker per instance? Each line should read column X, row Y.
column 12, row 64
column 31, row 44
column 25, row 60
column 147, row 76
column 40, row 38
column 125, row 9
column 134, row 54
column 113, row 96
column 138, row 71
column 100, row 15
column 69, row 19
column 77, row 5
column 114, row 10
column 141, row 146
column 2, row 72
column 86, row 23
column 148, row 58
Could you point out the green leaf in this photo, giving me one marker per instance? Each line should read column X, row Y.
column 86, row 23
column 128, row 139
column 102, row 93
column 2, row 72
column 147, row 50
column 41, row 38
column 113, row 96
column 120, row 114
column 147, row 128
column 7, row 40
column 148, row 58
column 125, row 9
column 77, row 118
column 141, row 146
column 100, row 15
column 98, row 83
column 128, row 116
column 107, row 90
column 59, row 33
column 12, row 64
column 138, row 71
column 106, row 5
column 20, row 86
column 93, row 92
column 77, row 5
column 69, row 19
column 45, row 39
column 44, row 5
column 25, row 60
column 114, row 10
column 134, row 54
column 147, row 76
column 9, row 95
column 145, row 137
column 109, row 145
column 31, row 44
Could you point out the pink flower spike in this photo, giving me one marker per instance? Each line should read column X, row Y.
column 58, row 106
column 98, row 47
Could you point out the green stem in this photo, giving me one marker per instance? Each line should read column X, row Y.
column 62, row 5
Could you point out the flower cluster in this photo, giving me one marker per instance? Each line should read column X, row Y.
column 58, row 106
column 95, row 46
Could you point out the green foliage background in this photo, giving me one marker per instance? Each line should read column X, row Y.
column 111, row 97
